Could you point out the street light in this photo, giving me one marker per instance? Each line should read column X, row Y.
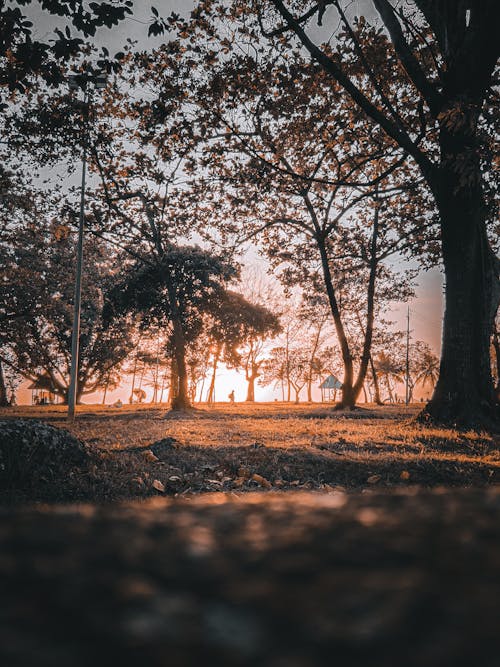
column 83, row 82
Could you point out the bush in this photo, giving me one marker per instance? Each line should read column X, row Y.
column 40, row 462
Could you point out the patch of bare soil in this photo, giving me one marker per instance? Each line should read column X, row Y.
column 289, row 580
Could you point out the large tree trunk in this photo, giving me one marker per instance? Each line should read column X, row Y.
column 464, row 393
column 65, row 396
column 180, row 390
column 4, row 399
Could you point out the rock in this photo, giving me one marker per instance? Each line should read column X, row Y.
column 161, row 448
column 39, row 461
column 149, row 456
column 158, row 451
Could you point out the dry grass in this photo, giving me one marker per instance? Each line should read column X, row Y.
column 273, row 446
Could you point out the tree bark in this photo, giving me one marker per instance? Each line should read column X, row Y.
column 251, row 377
column 211, row 389
column 180, row 390
column 348, row 399
column 376, row 388
column 464, row 393
column 4, row 399
column 496, row 349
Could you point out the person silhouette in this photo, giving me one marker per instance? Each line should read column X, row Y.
column 231, row 396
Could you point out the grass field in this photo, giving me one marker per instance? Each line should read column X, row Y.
column 272, row 446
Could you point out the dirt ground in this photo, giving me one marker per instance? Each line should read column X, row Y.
column 272, row 447
column 273, row 535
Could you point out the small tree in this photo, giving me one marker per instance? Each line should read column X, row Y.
column 255, row 325
column 175, row 291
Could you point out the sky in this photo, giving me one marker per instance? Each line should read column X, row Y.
column 425, row 309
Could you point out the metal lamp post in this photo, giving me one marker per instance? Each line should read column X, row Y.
column 75, row 82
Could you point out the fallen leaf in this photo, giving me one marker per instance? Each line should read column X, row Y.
column 405, row 475
column 262, row 481
column 148, row 454
column 174, row 478
column 158, row 486
column 373, row 479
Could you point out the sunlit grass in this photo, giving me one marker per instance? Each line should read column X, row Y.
column 380, row 434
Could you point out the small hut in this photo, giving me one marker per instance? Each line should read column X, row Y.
column 42, row 391
column 329, row 386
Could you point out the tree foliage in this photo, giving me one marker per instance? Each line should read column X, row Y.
column 36, row 310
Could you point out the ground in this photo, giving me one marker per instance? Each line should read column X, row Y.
column 273, row 446
column 358, row 538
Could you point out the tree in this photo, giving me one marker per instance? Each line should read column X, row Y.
column 425, row 364
column 449, row 53
column 391, row 369
column 36, row 296
column 313, row 319
column 311, row 181
column 175, row 291
column 232, row 326
column 275, row 370
column 255, row 325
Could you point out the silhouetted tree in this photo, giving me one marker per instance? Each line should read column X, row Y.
column 176, row 290
column 449, row 53
column 36, row 295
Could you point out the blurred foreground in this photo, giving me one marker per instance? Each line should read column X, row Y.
column 293, row 580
